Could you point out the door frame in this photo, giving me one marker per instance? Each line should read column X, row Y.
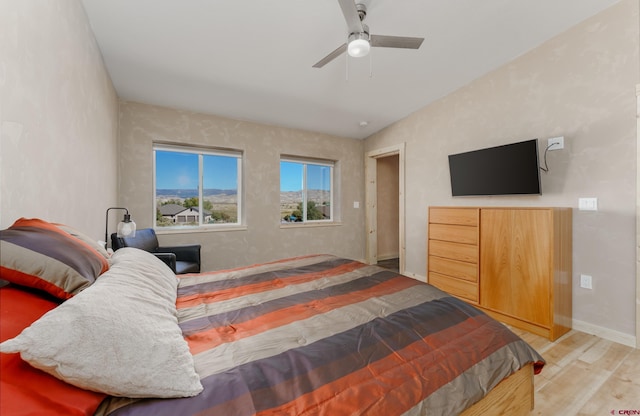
column 637, row 334
column 371, row 208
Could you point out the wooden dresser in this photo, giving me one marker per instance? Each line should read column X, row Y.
column 514, row 263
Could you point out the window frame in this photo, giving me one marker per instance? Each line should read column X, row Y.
column 305, row 161
column 200, row 151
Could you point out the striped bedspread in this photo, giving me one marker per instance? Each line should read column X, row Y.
column 322, row 335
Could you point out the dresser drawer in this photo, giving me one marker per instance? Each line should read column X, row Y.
column 455, row 287
column 454, row 233
column 459, row 216
column 455, row 251
column 454, row 268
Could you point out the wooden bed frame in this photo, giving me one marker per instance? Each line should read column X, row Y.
column 513, row 396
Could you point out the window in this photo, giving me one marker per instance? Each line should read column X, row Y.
column 196, row 187
column 306, row 190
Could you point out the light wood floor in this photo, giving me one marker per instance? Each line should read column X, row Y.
column 391, row 264
column 585, row 375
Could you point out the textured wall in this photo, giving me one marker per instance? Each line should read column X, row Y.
column 58, row 115
column 263, row 239
column 580, row 85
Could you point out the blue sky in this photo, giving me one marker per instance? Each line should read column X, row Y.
column 318, row 177
column 180, row 171
column 290, row 176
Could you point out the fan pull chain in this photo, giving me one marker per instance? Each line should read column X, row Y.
column 346, row 65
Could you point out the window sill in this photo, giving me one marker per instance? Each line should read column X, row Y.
column 310, row 224
column 191, row 230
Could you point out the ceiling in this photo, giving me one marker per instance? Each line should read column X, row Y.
column 252, row 59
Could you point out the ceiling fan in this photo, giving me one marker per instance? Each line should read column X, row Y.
column 360, row 41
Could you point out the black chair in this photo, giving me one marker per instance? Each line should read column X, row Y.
column 181, row 259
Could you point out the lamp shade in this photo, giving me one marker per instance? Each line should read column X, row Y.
column 126, row 227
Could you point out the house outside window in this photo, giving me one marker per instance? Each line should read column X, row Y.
column 306, row 190
column 196, row 187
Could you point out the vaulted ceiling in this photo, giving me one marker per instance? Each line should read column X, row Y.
column 252, row 59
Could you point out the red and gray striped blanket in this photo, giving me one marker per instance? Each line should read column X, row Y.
column 322, row 335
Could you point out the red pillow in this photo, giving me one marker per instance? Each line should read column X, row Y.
column 38, row 254
column 26, row 390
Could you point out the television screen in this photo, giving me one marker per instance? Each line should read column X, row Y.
column 511, row 169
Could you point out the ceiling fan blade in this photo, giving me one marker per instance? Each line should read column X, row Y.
column 396, row 42
column 333, row 55
column 351, row 16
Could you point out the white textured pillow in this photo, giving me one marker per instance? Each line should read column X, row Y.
column 119, row 336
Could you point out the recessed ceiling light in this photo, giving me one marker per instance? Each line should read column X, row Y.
column 364, row 123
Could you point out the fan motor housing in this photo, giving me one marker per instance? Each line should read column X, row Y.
column 362, row 11
column 362, row 35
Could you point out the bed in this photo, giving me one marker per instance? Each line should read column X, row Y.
column 310, row 335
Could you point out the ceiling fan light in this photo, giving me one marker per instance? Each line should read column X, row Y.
column 359, row 48
column 359, row 45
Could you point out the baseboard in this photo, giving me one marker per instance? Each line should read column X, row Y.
column 605, row 333
column 415, row 276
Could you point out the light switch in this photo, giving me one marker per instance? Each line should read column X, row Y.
column 356, row 204
column 585, row 281
column 588, row 204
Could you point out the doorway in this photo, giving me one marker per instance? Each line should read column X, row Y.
column 385, row 207
column 387, row 202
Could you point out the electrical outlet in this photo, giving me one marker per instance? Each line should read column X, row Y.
column 585, row 281
column 556, row 143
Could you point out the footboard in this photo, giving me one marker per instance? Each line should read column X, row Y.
column 513, row 396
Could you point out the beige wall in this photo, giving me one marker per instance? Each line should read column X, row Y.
column 580, row 85
column 388, row 188
column 263, row 239
column 58, row 115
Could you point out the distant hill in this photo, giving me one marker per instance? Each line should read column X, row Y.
column 316, row 195
column 190, row 193
column 230, row 195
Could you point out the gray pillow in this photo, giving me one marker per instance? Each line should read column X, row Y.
column 119, row 336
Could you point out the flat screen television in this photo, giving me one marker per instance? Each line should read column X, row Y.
column 511, row 169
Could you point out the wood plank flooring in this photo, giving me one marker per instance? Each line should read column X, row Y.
column 585, row 375
column 391, row 264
